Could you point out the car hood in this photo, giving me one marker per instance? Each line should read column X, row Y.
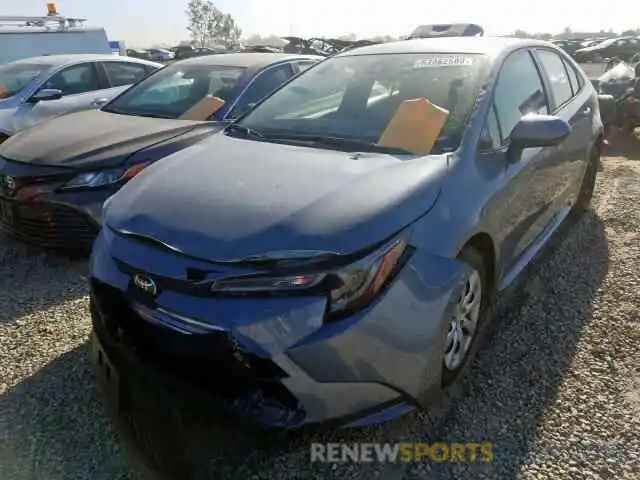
column 226, row 199
column 91, row 139
column 593, row 48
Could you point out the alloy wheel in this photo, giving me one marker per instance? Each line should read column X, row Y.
column 464, row 323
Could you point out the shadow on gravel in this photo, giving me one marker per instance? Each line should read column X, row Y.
column 32, row 280
column 620, row 144
column 53, row 426
column 511, row 386
column 520, row 370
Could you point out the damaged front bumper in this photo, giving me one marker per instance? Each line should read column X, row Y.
column 275, row 360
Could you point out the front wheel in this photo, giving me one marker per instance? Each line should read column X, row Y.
column 467, row 320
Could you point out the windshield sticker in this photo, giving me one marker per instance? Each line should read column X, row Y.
column 443, row 61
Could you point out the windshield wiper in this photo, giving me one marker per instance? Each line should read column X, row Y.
column 134, row 114
column 350, row 144
column 245, row 131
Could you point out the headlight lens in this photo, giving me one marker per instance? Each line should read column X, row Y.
column 349, row 289
column 103, row 178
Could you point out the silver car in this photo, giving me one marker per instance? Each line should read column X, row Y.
column 39, row 88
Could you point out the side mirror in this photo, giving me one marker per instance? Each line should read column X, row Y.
column 46, row 94
column 537, row 131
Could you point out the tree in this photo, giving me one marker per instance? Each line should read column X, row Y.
column 208, row 24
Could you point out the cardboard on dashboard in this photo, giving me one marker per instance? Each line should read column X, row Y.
column 415, row 127
column 203, row 109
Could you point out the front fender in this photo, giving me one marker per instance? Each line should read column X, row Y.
column 399, row 341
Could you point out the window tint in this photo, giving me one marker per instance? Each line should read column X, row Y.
column 518, row 91
column 77, row 79
column 263, row 84
column 15, row 77
column 172, row 90
column 491, row 138
column 573, row 77
column 554, row 69
column 302, row 66
column 121, row 73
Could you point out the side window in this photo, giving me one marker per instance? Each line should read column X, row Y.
column 301, row 66
column 491, row 137
column 263, row 84
column 121, row 73
column 573, row 77
column 518, row 91
column 553, row 67
column 74, row 80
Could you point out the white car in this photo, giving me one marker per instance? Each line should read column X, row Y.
column 39, row 88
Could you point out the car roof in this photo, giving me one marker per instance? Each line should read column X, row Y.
column 251, row 60
column 490, row 46
column 71, row 58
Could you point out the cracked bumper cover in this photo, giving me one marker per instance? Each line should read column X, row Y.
column 366, row 368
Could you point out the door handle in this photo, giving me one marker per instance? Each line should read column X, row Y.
column 98, row 102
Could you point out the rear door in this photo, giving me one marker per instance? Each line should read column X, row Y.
column 82, row 86
column 122, row 74
column 569, row 101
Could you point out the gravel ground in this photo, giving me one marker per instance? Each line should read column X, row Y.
column 557, row 389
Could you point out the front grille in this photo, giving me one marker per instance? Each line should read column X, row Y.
column 48, row 225
column 212, row 361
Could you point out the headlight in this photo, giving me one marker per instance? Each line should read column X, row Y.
column 103, row 178
column 348, row 289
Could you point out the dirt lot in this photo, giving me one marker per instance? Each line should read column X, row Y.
column 557, row 389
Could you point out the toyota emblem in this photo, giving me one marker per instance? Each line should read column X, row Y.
column 10, row 184
column 145, row 284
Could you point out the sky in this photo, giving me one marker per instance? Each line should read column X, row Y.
column 146, row 22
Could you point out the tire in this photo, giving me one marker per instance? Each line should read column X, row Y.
column 583, row 202
column 473, row 258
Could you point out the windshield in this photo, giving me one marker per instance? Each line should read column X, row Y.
column 171, row 91
column 13, row 78
column 355, row 97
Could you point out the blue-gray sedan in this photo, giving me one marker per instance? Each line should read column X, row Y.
column 306, row 272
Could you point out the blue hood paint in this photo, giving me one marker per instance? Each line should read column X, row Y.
column 227, row 198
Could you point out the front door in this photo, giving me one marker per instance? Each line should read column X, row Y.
column 519, row 209
column 81, row 87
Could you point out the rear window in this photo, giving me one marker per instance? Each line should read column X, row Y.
column 14, row 78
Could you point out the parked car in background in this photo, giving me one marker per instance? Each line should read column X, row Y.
column 25, row 37
column 182, row 52
column 305, row 271
column 55, row 176
column 160, row 55
column 39, row 88
column 623, row 48
column 138, row 53
column 569, row 46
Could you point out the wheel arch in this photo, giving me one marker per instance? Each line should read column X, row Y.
column 484, row 244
